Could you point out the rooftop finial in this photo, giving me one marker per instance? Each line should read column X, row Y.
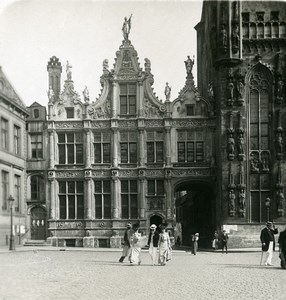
column 126, row 27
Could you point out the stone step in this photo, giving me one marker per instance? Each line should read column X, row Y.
column 36, row 243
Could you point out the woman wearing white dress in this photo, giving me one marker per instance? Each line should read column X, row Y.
column 135, row 243
column 164, row 245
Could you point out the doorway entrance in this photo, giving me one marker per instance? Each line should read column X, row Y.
column 38, row 223
column 157, row 220
column 195, row 212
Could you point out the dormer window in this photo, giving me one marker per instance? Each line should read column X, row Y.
column 190, row 110
column 36, row 113
column 70, row 112
column 128, row 99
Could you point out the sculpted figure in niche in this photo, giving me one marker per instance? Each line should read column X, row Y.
column 230, row 144
column 211, row 91
column 235, row 37
column 241, row 200
column 223, row 37
column 230, row 88
column 167, row 91
column 240, row 89
column 240, row 144
column 51, row 94
column 280, row 199
column 231, row 197
column 126, row 27
column 280, row 86
column 68, row 70
column 279, row 143
column 189, row 64
column 254, row 163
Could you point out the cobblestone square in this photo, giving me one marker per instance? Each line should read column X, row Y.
column 81, row 274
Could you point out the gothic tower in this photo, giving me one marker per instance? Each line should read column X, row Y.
column 55, row 69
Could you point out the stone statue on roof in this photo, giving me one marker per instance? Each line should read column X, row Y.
column 51, row 94
column 189, row 63
column 68, row 70
column 167, row 92
column 86, row 94
column 126, row 27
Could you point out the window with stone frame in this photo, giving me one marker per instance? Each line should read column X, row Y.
column 70, row 112
column 128, row 147
column 37, row 188
column 155, row 146
column 17, row 140
column 17, row 192
column 71, row 200
column 129, row 199
column 4, row 134
column 155, row 187
column 128, row 98
column 102, row 197
column 36, row 145
column 259, row 134
column 190, row 146
column 102, row 147
column 70, row 148
column 5, row 190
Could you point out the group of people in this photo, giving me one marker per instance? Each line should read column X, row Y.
column 268, row 244
column 134, row 241
column 222, row 239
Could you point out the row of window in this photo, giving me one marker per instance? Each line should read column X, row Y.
column 5, row 136
column 5, row 184
column 71, row 198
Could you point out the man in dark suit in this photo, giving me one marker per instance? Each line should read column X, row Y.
column 268, row 241
column 224, row 241
column 126, row 248
column 153, row 240
column 282, row 248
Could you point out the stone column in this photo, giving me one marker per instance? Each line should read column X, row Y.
column 168, row 146
column 169, row 195
column 115, row 196
column 115, row 148
column 141, row 198
column 141, row 98
column 141, row 147
column 87, row 149
column 114, row 112
column 88, row 197
column 52, row 150
column 53, row 208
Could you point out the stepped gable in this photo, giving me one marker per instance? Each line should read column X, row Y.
column 68, row 98
column 189, row 101
column 8, row 92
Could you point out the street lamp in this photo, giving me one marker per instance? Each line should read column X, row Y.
column 267, row 204
column 12, row 238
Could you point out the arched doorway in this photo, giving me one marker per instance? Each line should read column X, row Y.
column 195, row 212
column 38, row 223
column 157, row 220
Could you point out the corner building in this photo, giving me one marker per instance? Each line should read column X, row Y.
column 241, row 71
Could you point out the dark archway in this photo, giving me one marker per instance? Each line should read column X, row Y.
column 195, row 212
column 38, row 223
column 157, row 220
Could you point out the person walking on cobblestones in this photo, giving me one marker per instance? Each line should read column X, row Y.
column 164, row 245
column 126, row 247
column 268, row 242
column 224, row 241
column 282, row 248
column 135, row 243
column 153, row 240
column 195, row 239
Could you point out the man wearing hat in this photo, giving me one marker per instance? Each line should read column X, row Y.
column 126, row 248
column 282, row 248
column 153, row 240
column 224, row 241
column 268, row 241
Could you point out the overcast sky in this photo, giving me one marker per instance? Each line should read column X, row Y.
column 87, row 32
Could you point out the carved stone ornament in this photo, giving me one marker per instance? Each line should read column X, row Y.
column 155, row 203
column 280, row 202
column 230, row 146
column 193, row 123
column 231, row 203
column 100, row 173
column 102, row 111
column 69, row 174
column 68, row 125
column 235, row 38
column 241, row 202
column 127, row 173
column 127, row 124
column 279, row 90
column 223, row 38
column 254, row 162
column 150, row 110
column 191, row 172
column 154, row 173
column 100, row 124
column 154, row 123
column 279, row 145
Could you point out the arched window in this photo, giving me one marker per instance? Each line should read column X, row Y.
column 259, row 137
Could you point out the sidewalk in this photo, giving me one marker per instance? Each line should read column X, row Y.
column 177, row 249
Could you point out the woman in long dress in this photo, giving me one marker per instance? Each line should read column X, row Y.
column 135, row 243
column 164, row 245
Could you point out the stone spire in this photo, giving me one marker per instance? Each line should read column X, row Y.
column 54, row 69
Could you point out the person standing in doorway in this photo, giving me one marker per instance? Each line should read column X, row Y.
column 268, row 241
column 153, row 243
column 224, row 241
column 126, row 247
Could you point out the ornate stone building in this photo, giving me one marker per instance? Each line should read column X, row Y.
column 13, row 114
column 200, row 162
column 241, row 71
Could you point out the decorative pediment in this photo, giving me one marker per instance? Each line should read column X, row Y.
column 99, row 111
column 153, row 111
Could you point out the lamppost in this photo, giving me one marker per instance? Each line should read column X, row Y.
column 12, row 238
column 267, row 204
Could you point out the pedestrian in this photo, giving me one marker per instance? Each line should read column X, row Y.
column 195, row 239
column 153, row 240
column 224, row 241
column 135, row 243
column 268, row 241
column 126, row 238
column 282, row 248
column 215, row 241
column 164, row 245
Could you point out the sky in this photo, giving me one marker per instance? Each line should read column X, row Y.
column 85, row 32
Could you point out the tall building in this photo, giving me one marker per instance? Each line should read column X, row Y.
column 211, row 159
column 13, row 114
column 241, row 71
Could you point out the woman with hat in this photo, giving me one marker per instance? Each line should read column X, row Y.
column 164, row 245
column 135, row 242
column 153, row 240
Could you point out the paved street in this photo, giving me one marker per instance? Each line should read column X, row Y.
column 97, row 275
